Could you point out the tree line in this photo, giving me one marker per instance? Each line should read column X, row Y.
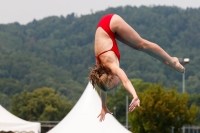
column 160, row 108
column 57, row 51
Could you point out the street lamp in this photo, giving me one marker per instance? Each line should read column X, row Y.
column 184, row 61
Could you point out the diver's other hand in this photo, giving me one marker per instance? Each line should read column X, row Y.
column 104, row 110
column 134, row 103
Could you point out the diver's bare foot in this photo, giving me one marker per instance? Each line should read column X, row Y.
column 177, row 66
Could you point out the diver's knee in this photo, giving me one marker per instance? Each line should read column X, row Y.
column 140, row 46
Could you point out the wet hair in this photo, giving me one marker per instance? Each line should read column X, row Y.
column 99, row 77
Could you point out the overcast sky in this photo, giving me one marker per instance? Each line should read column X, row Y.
column 24, row 11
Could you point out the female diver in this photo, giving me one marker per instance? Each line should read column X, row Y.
column 106, row 73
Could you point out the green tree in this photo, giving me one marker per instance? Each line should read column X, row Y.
column 161, row 110
column 43, row 104
column 56, row 52
column 195, row 99
column 4, row 100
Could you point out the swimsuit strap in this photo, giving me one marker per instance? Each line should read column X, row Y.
column 97, row 57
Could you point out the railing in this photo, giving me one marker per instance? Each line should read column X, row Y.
column 47, row 125
column 189, row 129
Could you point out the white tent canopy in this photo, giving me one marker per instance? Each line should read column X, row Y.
column 9, row 122
column 83, row 117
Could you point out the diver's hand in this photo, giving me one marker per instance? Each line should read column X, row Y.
column 104, row 110
column 134, row 103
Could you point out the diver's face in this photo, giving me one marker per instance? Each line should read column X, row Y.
column 114, row 81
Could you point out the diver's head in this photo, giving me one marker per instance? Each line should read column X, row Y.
column 112, row 83
column 102, row 78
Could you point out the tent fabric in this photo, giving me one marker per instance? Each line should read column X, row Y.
column 9, row 122
column 83, row 117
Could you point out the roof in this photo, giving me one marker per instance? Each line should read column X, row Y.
column 10, row 122
column 83, row 117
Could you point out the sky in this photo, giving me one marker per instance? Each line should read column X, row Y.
column 25, row 11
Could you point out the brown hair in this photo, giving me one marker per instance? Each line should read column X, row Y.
column 99, row 76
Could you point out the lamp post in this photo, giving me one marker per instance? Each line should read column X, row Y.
column 115, row 110
column 184, row 61
column 127, row 111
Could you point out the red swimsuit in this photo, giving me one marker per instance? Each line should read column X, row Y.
column 105, row 25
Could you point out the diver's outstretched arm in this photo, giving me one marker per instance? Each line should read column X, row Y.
column 104, row 108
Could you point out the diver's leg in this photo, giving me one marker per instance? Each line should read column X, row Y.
column 126, row 34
